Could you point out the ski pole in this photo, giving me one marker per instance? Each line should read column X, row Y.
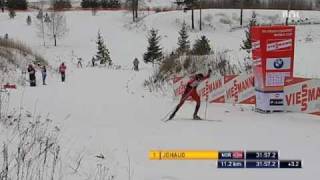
column 205, row 112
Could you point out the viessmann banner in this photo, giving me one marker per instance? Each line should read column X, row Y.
column 222, row 89
column 302, row 95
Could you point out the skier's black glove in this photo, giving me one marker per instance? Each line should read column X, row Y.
column 209, row 72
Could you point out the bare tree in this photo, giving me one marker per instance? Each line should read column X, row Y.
column 56, row 26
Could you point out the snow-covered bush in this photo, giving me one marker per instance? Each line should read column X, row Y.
column 219, row 62
column 30, row 147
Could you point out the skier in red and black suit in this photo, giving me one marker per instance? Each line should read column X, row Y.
column 191, row 91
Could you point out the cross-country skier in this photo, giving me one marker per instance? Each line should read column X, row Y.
column 79, row 62
column 191, row 91
column 93, row 61
column 32, row 75
column 44, row 74
column 62, row 71
column 136, row 64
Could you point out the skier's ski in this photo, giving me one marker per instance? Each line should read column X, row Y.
column 190, row 119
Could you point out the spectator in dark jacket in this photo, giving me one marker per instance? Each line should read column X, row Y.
column 32, row 75
column 44, row 74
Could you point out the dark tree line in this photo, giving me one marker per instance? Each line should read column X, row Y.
column 15, row 4
column 60, row 4
column 100, row 4
column 252, row 4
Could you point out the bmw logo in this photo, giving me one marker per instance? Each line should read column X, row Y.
column 278, row 63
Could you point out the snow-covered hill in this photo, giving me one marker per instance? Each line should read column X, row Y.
column 126, row 40
column 107, row 112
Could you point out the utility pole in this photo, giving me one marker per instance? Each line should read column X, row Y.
column 200, row 25
column 132, row 6
column 192, row 15
column 288, row 12
column 136, row 8
column 241, row 12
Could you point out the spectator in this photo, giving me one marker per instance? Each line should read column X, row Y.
column 62, row 71
column 32, row 75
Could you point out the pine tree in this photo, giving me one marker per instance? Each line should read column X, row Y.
column 86, row 3
column 202, row 46
column 103, row 54
column 105, row 4
column 183, row 42
column 115, row 4
column 247, row 42
column 1, row 4
column 61, row 4
column 29, row 20
column 154, row 51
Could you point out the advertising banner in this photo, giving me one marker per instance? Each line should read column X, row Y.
column 240, row 89
column 212, row 90
column 302, row 95
column 179, row 85
column 221, row 89
column 273, row 60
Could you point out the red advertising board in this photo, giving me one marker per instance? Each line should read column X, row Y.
column 273, row 60
column 273, row 55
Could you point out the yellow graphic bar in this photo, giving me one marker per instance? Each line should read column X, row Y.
column 183, row 155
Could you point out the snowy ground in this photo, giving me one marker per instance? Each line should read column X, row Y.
column 109, row 112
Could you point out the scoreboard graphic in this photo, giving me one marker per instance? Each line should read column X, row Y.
column 230, row 159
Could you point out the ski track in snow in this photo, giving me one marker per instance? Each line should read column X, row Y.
column 98, row 116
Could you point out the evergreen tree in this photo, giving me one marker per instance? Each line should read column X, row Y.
column 114, row 4
column 86, row 3
column 247, row 42
column 103, row 54
column 17, row 4
column 201, row 46
column 154, row 51
column 61, row 4
column 1, row 4
column 29, row 20
column 105, row 3
column 183, row 42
